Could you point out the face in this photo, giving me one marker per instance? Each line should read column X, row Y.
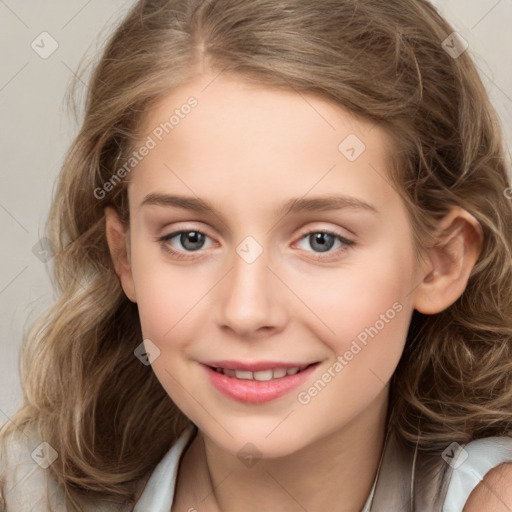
column 253, row 283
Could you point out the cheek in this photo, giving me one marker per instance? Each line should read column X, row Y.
column 368, row 308
column 367, row 302
column 166, row 294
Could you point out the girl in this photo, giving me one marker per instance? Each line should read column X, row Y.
column 284, row 262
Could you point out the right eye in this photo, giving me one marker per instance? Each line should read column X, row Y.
column 190, row 241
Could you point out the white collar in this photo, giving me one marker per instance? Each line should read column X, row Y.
column 158, row 494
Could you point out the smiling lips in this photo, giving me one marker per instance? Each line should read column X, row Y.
column 262, row 375
column 256, row 382
column 260, row 371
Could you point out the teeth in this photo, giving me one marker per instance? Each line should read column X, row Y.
column 279, row 372
column 242, row 374
column 262, row 375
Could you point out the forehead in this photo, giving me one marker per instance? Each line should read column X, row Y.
column 257, row 140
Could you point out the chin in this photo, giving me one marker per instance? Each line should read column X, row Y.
column 260, row 442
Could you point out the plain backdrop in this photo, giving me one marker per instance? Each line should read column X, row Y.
column 36, row 130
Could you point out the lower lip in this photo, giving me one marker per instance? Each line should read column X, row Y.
column 255, row 391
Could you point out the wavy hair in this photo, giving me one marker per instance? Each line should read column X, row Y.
column 86, row 394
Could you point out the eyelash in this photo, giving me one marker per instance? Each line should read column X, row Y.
column 182, row 256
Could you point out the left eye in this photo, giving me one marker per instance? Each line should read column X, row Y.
column 325, row 240
column 189, row 240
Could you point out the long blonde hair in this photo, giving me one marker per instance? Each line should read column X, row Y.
column 84, row 391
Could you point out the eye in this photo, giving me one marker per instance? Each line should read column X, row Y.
column 190, row 241
column 193, row 241
column 324, row 241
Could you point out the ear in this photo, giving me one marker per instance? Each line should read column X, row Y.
column 118, row 239
column 449, row 262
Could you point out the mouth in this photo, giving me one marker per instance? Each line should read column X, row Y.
column 261, row 375
column 259, row 382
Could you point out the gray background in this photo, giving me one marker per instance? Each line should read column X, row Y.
column 36, row 130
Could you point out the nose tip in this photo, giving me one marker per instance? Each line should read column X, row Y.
column 249, row 303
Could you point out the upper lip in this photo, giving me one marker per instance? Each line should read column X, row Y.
column 255, row 366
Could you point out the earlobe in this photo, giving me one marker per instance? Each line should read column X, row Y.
column 118, row 242
column 450, row 262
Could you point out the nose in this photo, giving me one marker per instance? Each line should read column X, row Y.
column 250, row 299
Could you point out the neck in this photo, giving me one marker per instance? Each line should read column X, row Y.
column 335, row 473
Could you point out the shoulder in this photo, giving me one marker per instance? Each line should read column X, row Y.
column 24, row 471
column 493, row 493
column 26, row 482
column 481, row 476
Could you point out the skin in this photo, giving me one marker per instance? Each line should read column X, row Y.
column 493, row 493
column 247, row 149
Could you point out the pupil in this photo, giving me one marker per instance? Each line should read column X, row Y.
column 196, row 239
column 323, row 245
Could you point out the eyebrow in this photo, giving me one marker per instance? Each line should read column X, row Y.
column 293, row 205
